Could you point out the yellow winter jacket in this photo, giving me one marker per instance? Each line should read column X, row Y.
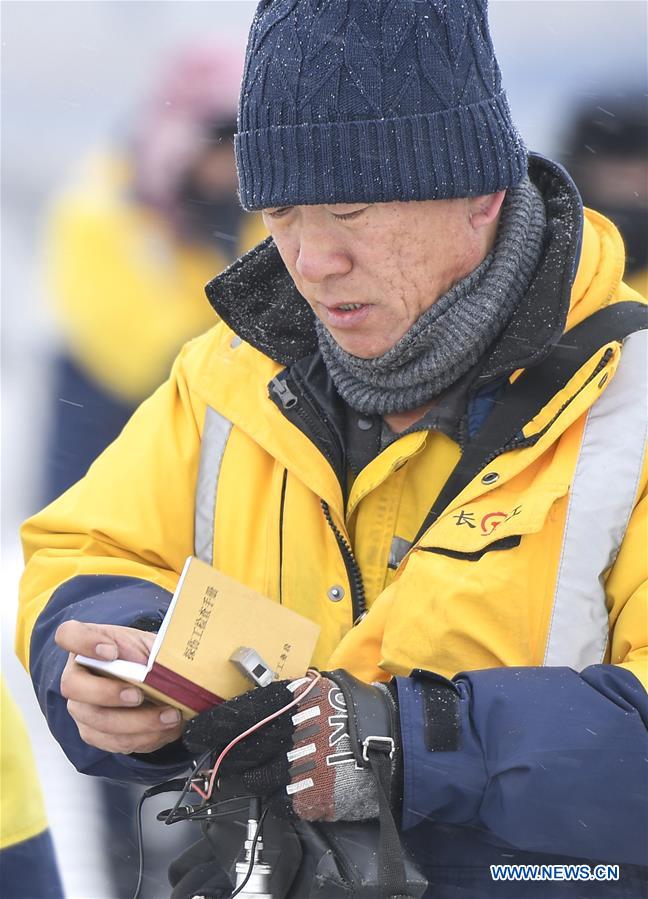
column 504, row 577
column 127, row 293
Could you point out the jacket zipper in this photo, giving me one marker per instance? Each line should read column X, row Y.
column 289, row 401
column 358, row 598
column 286, row 397
column 281, row 540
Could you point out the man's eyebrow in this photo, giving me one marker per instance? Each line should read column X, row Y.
column 273, row 210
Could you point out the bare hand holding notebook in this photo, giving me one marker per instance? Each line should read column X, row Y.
column 209, row 618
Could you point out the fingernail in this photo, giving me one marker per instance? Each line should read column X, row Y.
column 106, row 651
column 131, row 695
column 170, row 716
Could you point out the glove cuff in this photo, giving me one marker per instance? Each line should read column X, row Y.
column 373, row 721
column 373, row 725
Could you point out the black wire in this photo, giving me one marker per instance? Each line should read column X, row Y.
column 167, row 786
column 201, row 761
column 255, row 840
column 212, row 817
column 201, row 813
column 140, row 846
column 204, row 812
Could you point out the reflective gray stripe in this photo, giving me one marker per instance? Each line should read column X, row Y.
column 602, row 497
column 214, row 440
column 398, row 551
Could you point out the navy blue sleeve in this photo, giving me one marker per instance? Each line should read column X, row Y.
column 106, row 600
column 546, row 759
column 29, row 869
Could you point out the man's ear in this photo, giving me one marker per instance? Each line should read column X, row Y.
column 485, row 209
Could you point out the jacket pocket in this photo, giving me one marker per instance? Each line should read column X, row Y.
column 496, row 521
column 477, row 591
column 497, row 545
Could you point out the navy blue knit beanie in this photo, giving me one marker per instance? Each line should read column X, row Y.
column 362, row 101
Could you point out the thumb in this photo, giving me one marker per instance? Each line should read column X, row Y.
column 104, row 641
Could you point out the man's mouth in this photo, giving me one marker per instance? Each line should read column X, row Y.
column 344, row 315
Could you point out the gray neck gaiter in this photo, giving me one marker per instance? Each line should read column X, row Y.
column 451, row 336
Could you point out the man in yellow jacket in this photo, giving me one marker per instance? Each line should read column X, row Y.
column 421, row 422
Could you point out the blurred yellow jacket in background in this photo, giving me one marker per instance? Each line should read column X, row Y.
column 127, row 293
column 22, row 812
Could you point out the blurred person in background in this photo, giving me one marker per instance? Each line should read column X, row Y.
column 606, row 152
column 28, row 868
column 131, row 244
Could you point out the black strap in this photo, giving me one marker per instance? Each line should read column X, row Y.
column 372, row 734
column 369, row 714
column 393, row 878
column 523, row 400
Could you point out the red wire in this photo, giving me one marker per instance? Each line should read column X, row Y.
column 316, row 676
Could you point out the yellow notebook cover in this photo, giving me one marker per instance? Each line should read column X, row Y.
column 209, row 618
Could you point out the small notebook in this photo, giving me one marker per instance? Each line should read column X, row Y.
column 209, row 618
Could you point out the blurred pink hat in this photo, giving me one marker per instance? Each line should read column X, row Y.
column 197, row 92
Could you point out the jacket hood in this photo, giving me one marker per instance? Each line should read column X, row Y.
column 257, row 298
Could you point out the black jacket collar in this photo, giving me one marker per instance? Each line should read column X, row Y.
column 257, row 298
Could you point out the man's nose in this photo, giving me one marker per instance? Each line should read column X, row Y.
column 320, row 256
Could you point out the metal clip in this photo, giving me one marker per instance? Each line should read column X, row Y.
column 386, row 741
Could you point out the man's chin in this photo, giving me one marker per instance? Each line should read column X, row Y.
column 361, row 347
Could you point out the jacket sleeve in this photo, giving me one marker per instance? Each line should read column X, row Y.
column 546, row 759
column 110, row 550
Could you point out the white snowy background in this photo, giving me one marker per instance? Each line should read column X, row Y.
column 71, row 73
